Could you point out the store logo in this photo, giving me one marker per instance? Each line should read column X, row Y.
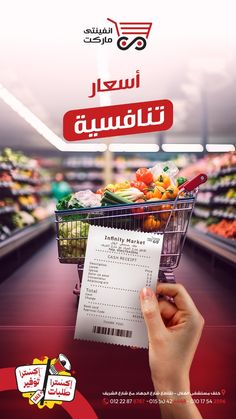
column 129, row 34
column 154, row 239
column 102, row 36
column 46, row 382
column 132, row 33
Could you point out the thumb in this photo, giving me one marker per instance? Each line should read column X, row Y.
column 151, row 313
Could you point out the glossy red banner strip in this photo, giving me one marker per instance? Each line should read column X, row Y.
column 118, row 120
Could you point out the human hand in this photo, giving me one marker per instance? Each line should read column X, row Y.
column 174, row 328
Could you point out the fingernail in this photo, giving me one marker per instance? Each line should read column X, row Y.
column 148, row 302
column 147, row 293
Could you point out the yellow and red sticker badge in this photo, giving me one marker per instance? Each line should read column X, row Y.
column 46, row 382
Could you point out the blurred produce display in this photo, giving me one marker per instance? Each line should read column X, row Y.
column 215, row 209
column 224, row 228
column 24, row 192
column 83, row 172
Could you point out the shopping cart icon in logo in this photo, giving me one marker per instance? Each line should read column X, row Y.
column 126, row 32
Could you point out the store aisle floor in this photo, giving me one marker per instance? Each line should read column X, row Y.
column 37, row 317
column 40, row 292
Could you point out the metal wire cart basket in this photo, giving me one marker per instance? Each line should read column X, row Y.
column 169, row 217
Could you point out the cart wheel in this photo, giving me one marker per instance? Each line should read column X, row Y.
column 123, row 43
column 141, row 43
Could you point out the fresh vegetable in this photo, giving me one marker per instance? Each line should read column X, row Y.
column 163, row 210
column 87, row 198
column 151, row 223
column 113, row 187
column 156, row 207
column 132, row 194
column 73, row 229
column 22, row 219
column 5, row 177
column 163, row 181
column 150, row 184
column 73, row 203
column 72, row 249
column 111, row 198
column 180, row 180
column 209, row 221
column 63, row 203
column 157, row 192
column 150, row 188
column 171, row 192
column 138, row 210
column 231, row 193
column 224, row 228
column 165, row 215
column 100, row 191
column 139, row 185
column 82, row 199
column 122, row 185
column 110, row 187
column 40, row 213
column 73, row 239
column 16, row 157
column 144, row 175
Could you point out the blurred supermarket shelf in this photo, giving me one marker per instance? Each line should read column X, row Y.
column 216, row 245
column 7, row 210
column 218, row 186
column 24, row 235
column 222, row 172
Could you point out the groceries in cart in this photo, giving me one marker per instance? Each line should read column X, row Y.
column 158, row 183
column 157, row 200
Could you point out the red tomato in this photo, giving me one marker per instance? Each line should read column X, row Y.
column 139, row 185
column 144, row 175
column 100, row 191
column 138, row 210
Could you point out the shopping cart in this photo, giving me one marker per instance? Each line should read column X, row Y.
column 172, row 218
column 132, row 28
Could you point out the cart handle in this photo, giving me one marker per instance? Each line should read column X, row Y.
column 115, row 23
column 192, row 184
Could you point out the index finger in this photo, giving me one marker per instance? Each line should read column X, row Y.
column 181, row 297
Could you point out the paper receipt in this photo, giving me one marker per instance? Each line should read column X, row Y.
column 118, row 264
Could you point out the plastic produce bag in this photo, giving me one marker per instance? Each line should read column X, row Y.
column 168, row 168
column 88, row 198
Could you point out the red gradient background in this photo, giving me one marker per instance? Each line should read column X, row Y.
column 38, row 312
